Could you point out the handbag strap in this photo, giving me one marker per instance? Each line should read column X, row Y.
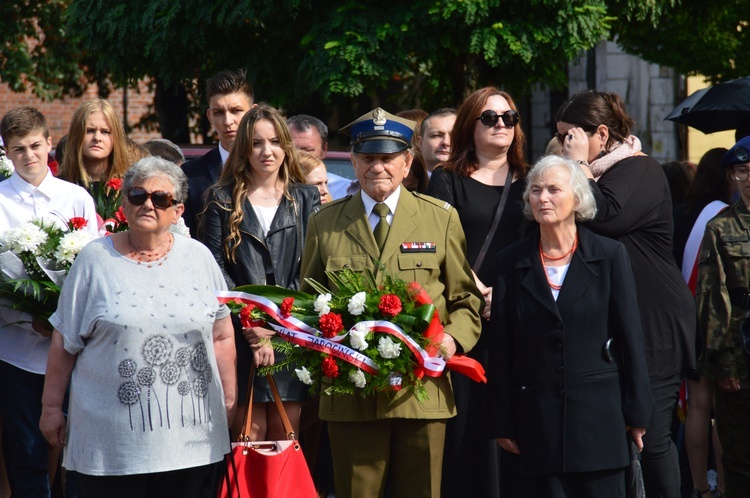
column 495, row 222
column 248, row 418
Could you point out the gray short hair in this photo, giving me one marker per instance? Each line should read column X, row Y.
column 151, row 166
column 585, row 207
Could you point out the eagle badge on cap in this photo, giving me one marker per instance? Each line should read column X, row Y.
column 378, row 117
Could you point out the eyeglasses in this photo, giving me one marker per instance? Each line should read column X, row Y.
column 489, row 118
column 740, row 174
column 561, row 136
column 159, row 198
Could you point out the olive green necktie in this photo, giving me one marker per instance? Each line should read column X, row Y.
column 381, row 229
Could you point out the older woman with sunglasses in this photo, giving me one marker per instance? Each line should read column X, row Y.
column 483, row 180
column 148, row 352
column 634, row 206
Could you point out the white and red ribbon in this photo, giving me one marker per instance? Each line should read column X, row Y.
column 297, row 332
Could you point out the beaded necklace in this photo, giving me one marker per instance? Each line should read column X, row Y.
column 543, row 256
column 142, row 256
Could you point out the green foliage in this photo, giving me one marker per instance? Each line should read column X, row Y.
column 694, row 37
column 424, row 53
column 38, row 52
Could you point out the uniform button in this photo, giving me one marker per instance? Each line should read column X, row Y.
column 419, row 264
column 558, row 324
column 560, row 369
column 559, row 346
column 562, row 392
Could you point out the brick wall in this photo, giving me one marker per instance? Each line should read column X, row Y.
column 59, row 112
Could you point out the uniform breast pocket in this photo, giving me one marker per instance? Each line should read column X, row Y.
column 737, row 263
column 420, row 267
column 356, row 263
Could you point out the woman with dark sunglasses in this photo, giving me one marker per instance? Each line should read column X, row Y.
column 255, row 223
column 486, row 168
column 148, row 352
column 635, row 207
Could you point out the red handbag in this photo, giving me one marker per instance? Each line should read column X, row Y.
column 266, row 469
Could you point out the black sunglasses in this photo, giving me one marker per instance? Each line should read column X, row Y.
column 489, row 118
column 159, row 198
column 561, row 136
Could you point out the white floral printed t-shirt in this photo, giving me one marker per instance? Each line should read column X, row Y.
column 145, row 394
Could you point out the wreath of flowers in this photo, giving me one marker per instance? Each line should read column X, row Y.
column 363, row 338
column 35, row 257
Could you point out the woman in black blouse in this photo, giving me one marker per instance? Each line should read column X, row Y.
column 487, row 158
column 634, row 206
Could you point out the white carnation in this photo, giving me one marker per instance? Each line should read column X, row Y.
column 358, row 378
column 357, row 303
column 180, row 227
column 6, row 167
column 304, row 376
column 321, row 304
column 71, row 244
column 357, row 336
column 26, row 237
column 387, row 348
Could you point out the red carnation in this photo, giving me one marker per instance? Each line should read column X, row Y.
column 77, row 222
column 120, row 216
column 390, row 305
column 247, row 318
column 115, row 183
column 331, row 324
column 330, row 367
column 286, row 306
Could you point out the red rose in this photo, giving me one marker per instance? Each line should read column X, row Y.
column 120, row 216
column 115, row 183
column 77, row 223
column 247, row 318
column 329, row 367
column 286, row 306
column 331, row 324
column 390, row 305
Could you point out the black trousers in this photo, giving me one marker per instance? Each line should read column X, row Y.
column 186, row 483
column 733, row 424
column 659, row 459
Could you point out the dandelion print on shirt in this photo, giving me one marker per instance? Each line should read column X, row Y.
column 143, row 390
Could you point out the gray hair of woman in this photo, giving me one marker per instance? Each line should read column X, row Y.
column 152, row 166
column 585, row 207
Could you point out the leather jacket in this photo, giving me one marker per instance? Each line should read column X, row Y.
column 279, row 252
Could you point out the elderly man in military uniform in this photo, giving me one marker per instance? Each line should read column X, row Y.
column 381, row 438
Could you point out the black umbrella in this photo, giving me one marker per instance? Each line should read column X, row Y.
column 686, row 105
column 725, row 106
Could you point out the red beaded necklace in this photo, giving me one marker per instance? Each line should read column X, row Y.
column 147, row 257
column 543, row 256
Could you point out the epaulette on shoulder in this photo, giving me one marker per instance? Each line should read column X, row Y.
column 433, row 200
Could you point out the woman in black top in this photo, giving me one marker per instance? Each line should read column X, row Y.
column 634, row 206
column 487, row 156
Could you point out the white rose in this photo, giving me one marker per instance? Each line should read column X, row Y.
column 321, row 304
column 358, row 378
column 357, row 303
column 357, row 337
column 387, row 348
column 304, row 376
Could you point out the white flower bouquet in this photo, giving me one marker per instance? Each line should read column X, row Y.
column 35, row 257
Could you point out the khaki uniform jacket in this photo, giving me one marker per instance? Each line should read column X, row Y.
column 724, row 270
column 339, row 236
